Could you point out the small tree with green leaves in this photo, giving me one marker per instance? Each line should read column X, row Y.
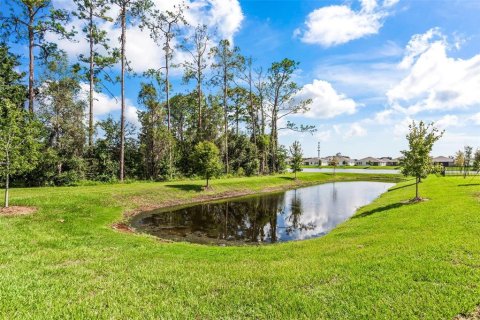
column 476, row 161
column 18, row 144
column 206, row 160
column 417, row 161
column 468, row 159
column 296, row 160
column 459, row 158
column 334, row 162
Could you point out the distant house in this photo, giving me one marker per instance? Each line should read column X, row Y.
column 346, row 161
column 315, row 161
column 444, row 161
column 390, row 161
column 371, row 161
column 342, row 160
column 323, row 162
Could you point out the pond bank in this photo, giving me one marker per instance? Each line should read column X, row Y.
column 414, row 260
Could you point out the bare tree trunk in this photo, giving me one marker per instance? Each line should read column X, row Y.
column 253, row 110
column 31, row 45
column 90, row 98
column 167, row 84
column 167, row 93
column 7, row 180
column 122, row 116
column 199, row 89
column 225, row 118
column 416, row 188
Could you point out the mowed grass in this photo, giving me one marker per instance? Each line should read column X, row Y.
column 392, row 260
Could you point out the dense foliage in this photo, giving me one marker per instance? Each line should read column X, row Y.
column 227, row 102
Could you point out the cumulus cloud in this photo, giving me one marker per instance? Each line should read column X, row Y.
column 222, row 17
column 326, row 102
column 448, row 120
column 435, row 81
column 355, row 130
column 105, row 104
column 338, row 24
column 476, row 118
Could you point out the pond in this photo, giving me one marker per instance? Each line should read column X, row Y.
column 298, row 214
column 370, row 171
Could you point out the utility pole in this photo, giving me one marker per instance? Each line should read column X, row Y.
column 318, row 149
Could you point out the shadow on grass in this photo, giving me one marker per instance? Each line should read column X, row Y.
column 380, row 209
column 287, row 178
column 469, row 184
column 186, row 187
column 401, row 187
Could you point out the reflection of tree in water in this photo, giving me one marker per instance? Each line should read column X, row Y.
column 334, row 192
column 296, row 212
column 254, row 219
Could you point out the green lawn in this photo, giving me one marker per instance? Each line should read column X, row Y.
column 392, row 260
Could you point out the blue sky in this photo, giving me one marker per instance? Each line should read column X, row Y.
column 369, row 66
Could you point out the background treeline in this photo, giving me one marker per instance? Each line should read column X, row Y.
column 225, row 99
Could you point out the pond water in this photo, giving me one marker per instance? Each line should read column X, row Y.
column 370, row 171
column 298, row 214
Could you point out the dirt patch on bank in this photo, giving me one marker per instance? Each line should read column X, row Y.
column 142, row 204
column 17, row 211
column 122, row 227
column 475, row 315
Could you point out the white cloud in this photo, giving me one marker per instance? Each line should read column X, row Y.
column 355, row 130
column 326, row 102
column 383, row 117
column 337, row 24
column 401, row 128
column 323, row 135
column 476, row 118
column 222, row 17
column 448, row 121
column 105, row 104
column 418, row 45
column 435, row 81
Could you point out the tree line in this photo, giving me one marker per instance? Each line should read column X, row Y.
column 225, row 119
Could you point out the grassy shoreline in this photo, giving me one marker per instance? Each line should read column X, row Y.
column 391, row 260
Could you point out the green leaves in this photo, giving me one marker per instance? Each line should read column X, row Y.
column 206, row 159
column 417, row 161
column 296, row 160
column 18, row 139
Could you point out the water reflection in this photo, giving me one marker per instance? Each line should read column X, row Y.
column 293, row 215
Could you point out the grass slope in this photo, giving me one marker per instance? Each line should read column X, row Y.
column 391, row 260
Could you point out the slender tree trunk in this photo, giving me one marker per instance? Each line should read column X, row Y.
column 7, row 180
column 167, row 93
column 31, row 44
column 90, row 98
column 273, row 140
column 167, row 83
column 199, row 93
column 225, row 110
column 252, row 110
column 416, row 188
column 122, row 116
